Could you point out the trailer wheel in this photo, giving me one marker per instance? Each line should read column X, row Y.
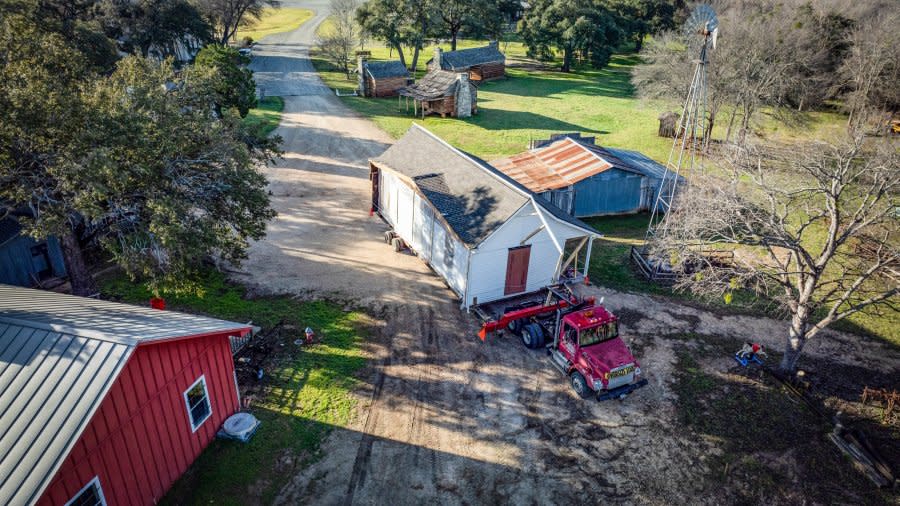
column 388, row 236
column 579, row 384
column 397, row 243
column 533, row 335
column 514, row 326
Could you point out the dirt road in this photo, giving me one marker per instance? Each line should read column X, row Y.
column 442, row 417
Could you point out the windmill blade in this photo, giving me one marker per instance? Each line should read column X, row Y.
column 702, row 21
column 715, row 37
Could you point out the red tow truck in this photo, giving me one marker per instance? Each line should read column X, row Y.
column 584, row 342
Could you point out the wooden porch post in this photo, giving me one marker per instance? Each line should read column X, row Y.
column 587, row 258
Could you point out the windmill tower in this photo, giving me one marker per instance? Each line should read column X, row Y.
column 684, row 157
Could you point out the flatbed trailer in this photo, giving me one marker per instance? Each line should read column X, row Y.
column 499, row 315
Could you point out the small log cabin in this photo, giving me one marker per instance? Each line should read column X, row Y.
column 443, row 92
column 381, row 79
column 481, row 63
column 106, row 403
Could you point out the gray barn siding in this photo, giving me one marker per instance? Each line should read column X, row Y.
column 610, row 192
column 18, row 265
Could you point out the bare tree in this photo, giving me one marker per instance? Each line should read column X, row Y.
column 871, row 70
column 814, row 228
column 339, row 42
column 229, row 15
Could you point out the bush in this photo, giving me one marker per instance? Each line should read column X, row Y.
column 247, row 41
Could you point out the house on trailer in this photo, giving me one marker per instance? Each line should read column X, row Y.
column 481, row 63
column 584, row 179
column 25, row 261
column 381, row 79
column 105, row 403
column 487, row 236
column 443, row 92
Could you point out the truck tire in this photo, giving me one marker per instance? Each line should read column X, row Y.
column 397, row 243
column 388, row 236
column 580, row 385
column 533, row 335
column 514, row 326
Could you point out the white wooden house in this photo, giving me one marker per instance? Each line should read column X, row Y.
column 488, row 236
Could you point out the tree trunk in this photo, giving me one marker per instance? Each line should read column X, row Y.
column 730, row 125
column 567, row 59
column 795, row 342
column 400, row 53
column 81, row 280
column 415, row 59
column 639, row 42
column 453, row 33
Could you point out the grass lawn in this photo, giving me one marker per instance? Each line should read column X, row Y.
column 266, row 117
column 304, row 394
column 536, row 102
column 275, row 20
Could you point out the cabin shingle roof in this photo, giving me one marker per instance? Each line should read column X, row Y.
column 464, row 58
column 386, row 69
column 434, row 85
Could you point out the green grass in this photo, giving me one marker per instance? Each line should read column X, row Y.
column 305, row 394
column 536, row 101
column 275, row 20
column 774, row 449
column 266, row 117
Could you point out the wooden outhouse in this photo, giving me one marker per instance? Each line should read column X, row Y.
column 585, row 179
column 106, row 403
column 481, row 63
column 487, row 236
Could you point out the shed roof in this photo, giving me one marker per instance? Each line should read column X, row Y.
column 433, row 85
column 59, row 356
column 385, row 69
column 568, row 161
column 473, row 197
column 462, row 59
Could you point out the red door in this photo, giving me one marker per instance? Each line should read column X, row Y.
column 517, row 269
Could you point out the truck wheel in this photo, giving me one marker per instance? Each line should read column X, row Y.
column 533, row 335
column 388, row 236
column 397, row 243
column 579, row 384
column 514, row 326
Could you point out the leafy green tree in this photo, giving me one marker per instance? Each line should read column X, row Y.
column 145, row 25
column 577, row 28
column 640, row 18
column 234, row 86
column 386, row 21
column 226, row 16
column 476, row 17
column 130, row 162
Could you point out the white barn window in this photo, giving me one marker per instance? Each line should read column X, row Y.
column 90, row 495
column 196, row 398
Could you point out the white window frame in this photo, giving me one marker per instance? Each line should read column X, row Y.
column 95, row 482
column 187, row 403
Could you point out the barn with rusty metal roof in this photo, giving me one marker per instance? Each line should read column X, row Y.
column 585, row 179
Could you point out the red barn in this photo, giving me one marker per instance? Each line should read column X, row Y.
column 105, row 403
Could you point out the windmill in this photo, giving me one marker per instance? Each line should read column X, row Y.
column 684, row 156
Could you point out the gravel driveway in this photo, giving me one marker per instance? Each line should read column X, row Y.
column 442, row 417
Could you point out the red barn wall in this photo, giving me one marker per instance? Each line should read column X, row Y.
column 139, row 440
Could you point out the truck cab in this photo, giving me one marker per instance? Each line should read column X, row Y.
column 590, row 352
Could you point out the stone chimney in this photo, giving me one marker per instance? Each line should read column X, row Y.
column 361, row 75
column 464, row 96
column 436, row 63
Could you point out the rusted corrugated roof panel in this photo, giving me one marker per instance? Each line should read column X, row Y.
column 560, row 164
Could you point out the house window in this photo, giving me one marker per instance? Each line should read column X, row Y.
column 196, row 398
column 449, row 249
column 90, row 495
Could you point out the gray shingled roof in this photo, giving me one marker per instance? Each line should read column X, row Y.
column 434, row 85
column 385, row 69
column 464, row 58
column 473, row 197
column 59, row 356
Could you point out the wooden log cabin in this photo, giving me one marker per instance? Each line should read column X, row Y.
column 481, row 63
column 382, row 78
column 443, row 92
